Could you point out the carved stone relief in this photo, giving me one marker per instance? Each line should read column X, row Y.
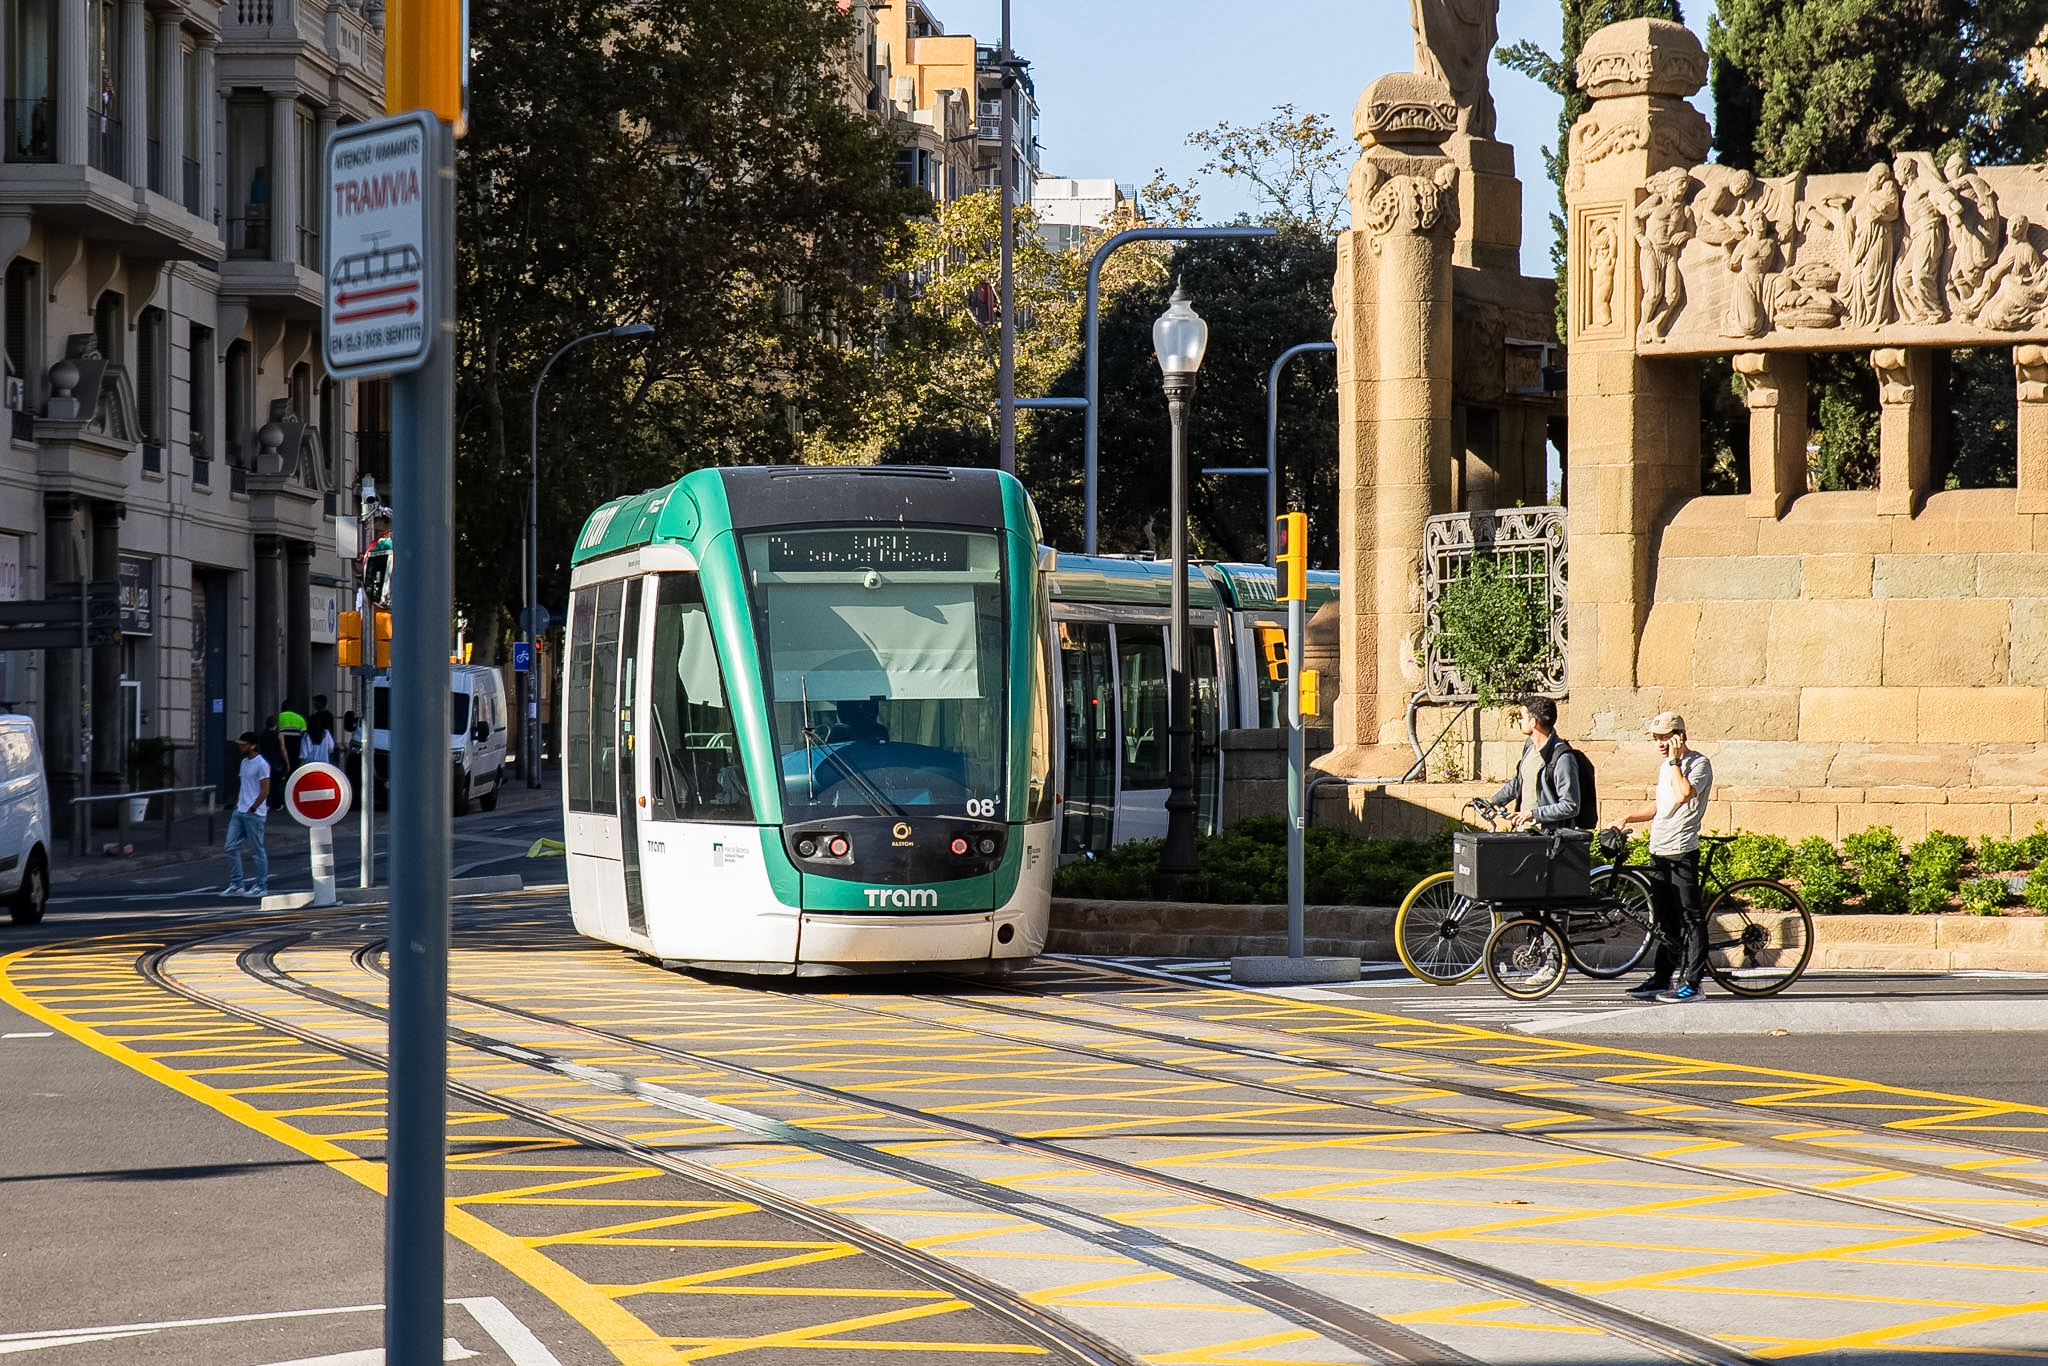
column 1603, row 257
column 1409, row 203
column 1907, row 253
column 1681, row 134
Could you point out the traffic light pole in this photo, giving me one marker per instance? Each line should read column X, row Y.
column 423, row 539
column 1297, row 833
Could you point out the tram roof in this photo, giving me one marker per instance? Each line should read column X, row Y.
column 1113, row 579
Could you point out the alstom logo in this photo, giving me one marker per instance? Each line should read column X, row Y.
column 902, row 896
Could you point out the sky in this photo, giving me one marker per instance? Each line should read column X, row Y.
column 1121, row 83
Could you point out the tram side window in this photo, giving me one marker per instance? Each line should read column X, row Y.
column 696, row 770
column 1141, row 661
column 604, row 699
column 582, row 631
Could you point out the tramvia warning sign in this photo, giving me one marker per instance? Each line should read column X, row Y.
column 375, row 243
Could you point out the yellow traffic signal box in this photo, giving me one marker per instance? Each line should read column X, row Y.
column 1273, row 645
column 1290, row 556
column 1311, row 697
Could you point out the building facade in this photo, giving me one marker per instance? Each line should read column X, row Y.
column 171, row 427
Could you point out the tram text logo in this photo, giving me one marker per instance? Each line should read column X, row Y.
column 902, row 896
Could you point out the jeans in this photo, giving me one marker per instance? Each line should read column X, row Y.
column 246, row 827
column 1675, row 901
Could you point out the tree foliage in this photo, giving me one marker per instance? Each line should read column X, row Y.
column 1294, row 163
column 686, row 163
column 1582, row 19
column 1492, row 629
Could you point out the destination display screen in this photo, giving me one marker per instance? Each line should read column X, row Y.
column 867, row 548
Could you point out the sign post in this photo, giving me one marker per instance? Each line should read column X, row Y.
column 390, row 244
column 317, row 797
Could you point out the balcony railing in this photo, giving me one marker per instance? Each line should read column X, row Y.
column 156, row 167
column 249, row 238
column 30, row 135
column 202, row 470
column 103, row 142
column 24, row 427
column 238, row 479
column 255, row 11
column 152, row 458
column 191, row 199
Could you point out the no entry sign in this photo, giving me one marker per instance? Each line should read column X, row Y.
column 317, row 794
column 375, row 319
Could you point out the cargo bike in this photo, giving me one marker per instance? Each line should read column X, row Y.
column 1527, row 905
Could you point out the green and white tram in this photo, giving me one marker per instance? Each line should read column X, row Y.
column 808, row 722
column 1111, row 617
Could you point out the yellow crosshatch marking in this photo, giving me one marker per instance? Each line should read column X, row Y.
column 1784, row 1214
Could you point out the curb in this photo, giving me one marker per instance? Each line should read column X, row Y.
column 381, row 896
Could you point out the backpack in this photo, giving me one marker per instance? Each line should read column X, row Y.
column 1589, row 794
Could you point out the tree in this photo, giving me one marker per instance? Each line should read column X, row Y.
column 1259, row 297
column 692, row 164
column 1293, row 163
column 1582, row 19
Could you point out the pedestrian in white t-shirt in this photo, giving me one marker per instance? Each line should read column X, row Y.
column 1684, row 779
column 246, row 822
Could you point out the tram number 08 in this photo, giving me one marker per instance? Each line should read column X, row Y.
column 981, row 806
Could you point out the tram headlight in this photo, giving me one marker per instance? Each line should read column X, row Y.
column 807, row 848
column 988, row 844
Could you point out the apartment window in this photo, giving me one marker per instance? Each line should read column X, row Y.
column 103, row 126
column 152, row 368
column 248, row 127
column 309, row 165
column 31, row 80
column 373, row 431
column 236, row 409
column 24, row 328
column 108, row 327
column 200, row 403
column 195, row 108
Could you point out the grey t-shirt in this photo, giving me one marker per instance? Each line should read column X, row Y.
column 1676, row 829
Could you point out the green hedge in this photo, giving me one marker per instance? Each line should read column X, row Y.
column 1249, row 865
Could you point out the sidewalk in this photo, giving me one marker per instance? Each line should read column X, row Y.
column 286, row 841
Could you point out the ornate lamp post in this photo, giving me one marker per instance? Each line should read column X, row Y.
column 1179, row 338
column 529, row 620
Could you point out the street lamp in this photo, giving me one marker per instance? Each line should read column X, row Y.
column 529, row 620
column 1179, row 338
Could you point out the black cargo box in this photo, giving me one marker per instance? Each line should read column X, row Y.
column 1522, row 867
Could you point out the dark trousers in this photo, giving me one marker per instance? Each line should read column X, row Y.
column 1675, row 901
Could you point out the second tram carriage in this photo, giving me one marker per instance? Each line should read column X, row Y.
column 808, row 722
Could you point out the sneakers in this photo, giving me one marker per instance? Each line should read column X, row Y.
column 257, row 893
column 1648, row 991
column 1681, row 996
column 232, row 889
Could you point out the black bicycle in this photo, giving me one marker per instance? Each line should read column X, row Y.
column 1759, row 933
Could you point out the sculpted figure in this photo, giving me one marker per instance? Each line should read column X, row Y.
column 1927, row 206
column 1751, row 257
column 1663, row 225
column 1722, row 202
column 1600, row 258
column 1978, row 231
column 1873, row 249
column 2016, row 287
column 1454, row 40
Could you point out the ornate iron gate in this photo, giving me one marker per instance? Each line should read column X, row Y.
column 1528, row 543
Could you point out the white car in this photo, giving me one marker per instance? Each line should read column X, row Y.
column 24, row 821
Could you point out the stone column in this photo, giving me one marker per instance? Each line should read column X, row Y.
column 63, row 562
column 134, row 102
column 2030, row 370
column 1393, row 332
column 74, row 85
column 109, row 762
column 209, row 114
column 1905, row 453
column 1776, row 400
column 284, row 179
column 169, row 113
column 1634, row 422
column 298, row 625
column 268, row 633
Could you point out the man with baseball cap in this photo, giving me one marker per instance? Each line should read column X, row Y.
column 1684, row 779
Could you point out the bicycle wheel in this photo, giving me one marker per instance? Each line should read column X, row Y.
column 1526, row 959
column 1611, row 934
column 1440, row 935
column 1759, row 937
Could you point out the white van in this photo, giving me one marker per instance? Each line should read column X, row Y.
column 476, row 735
column 24, row 821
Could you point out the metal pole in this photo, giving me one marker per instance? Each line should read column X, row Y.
column 1273, row 444
column 366, row 731
column 84, row 711
column 1006, row 362
column 422, row 462
column 1295, row 763
column 1177, row 857
column 1092, row 324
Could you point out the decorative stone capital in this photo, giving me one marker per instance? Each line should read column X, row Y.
column 2030, row 364
column 1759, row 379
column 1404, row 109
column 1420, row 205
column 1894, row 384
column 1642, row 57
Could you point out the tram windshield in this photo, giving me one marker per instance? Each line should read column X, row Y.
column 885, row 651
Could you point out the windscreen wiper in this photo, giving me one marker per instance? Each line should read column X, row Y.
column 860, row 780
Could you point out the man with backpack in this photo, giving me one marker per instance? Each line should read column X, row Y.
column 1551, row 784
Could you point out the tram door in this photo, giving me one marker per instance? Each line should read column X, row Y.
column 629, row 761
column 591, row 736
column 1144, row 706
column 1089, row 690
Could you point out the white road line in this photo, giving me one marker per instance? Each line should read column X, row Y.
column 451, row 1350
column 514, row 1338
column 31, row 1034
column 508, row 1332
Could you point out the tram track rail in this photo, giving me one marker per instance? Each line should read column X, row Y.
column 1674, row 1343
column 1044, row 1328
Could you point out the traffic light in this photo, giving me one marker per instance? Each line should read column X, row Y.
column 348, row 645
column 1273, row 645
column 1311, row 693
column 1290, row 556
column 383, row 630
column 423, row 50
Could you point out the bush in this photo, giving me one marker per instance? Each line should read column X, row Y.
column 1248, row 865
column 1875, row 856
column 1985, row 895
column 1752, row 855
column 1998, row 856
column 2034, row 848
column 2036, row 894
column 1824, row 884
column 1934, row 871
